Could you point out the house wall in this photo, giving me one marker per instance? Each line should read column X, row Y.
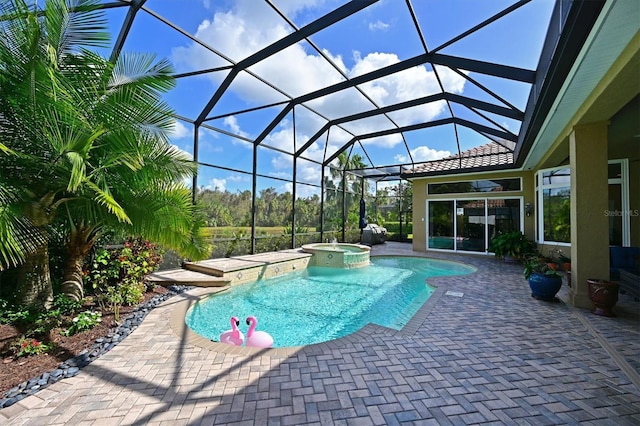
column 605, row 127
column 420, row 197
column 623, row 142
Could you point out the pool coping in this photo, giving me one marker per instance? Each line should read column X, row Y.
column 191, row 297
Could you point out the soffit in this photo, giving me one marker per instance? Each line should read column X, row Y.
column 616, row 27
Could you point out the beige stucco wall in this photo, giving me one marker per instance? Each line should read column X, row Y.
column 420, row 199
column 589, row 224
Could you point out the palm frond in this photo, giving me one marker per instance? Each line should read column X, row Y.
column 18, row 235
column 170, row 219
column 72, row 25
column 144, row 72
column 5, row 149
column 104, row 198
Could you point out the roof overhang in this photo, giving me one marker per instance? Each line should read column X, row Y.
column 614, row 30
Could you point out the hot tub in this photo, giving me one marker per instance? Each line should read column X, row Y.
column 338, row 255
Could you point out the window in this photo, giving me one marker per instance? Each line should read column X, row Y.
column 618, row 207
column 492, row 185
column 553, row 191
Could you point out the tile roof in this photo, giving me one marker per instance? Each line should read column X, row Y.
column 484, row 156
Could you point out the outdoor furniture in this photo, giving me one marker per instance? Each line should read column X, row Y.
column 630, row 284
column 623, row 259
column 373, row 234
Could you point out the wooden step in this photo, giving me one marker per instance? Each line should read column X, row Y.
column 186, row 277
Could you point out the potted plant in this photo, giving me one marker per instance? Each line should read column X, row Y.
column 544, row 281
column 604, row 295
column 565, row 262
column 511, row 245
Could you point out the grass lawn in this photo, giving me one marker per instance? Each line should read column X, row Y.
column 233, row 231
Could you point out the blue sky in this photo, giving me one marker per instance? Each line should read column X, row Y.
column 377, row 36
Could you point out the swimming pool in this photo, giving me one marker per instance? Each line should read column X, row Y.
column 320, row 304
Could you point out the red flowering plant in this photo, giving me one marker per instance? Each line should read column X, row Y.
column 117, row 274
column 30, row 346
column 129, row 263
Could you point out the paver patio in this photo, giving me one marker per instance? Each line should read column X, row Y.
column 492, row 355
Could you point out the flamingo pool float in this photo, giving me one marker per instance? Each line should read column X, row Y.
column 257, row 339
column 233, row 336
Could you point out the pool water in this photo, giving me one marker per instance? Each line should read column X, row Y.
column 320, row 304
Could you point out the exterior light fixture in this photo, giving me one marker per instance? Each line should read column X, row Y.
column 527, row 209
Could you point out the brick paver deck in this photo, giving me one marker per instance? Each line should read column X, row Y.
column 492, row 355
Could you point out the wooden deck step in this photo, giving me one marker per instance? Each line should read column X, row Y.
column 186, row 277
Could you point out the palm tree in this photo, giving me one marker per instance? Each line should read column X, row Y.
column 352, row 184
column 348, row 163
column 84, row 143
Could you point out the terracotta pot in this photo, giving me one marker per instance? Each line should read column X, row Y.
column 604, row 295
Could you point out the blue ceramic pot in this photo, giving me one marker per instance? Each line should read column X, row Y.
column 544, row 287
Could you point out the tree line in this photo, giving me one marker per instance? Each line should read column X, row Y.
column 273, row 209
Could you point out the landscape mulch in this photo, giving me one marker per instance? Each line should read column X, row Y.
column 14, row 371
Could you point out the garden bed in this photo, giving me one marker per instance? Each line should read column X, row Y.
column 16, row 371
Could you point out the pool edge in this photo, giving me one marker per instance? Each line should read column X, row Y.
column 187, row 335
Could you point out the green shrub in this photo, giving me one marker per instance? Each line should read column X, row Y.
column 117, row 275
column 513, row 244
column 84, row 321
column 394, row 227
column 112, row 299
column 18, row 315
column 128, row 264
column 66, row 306
column 132, row 293
column 36, row 322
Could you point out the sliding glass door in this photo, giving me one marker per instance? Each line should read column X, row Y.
column 471, row 221
column 440, row 227
column 469, row 225
column 503, row 216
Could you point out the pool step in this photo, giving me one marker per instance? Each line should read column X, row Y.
column 218, row 267
column 186, row 277
column 249, row 268
column 221, row 266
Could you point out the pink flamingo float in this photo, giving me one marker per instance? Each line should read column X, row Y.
column 257, row 339
column 233, row 336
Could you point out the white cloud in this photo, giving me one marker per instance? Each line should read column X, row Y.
column 232, row 122
column 421, row 154
column 292, row 7
column 219, row 184
column 378, row 25
column 184, row 152
column 180, row 131
column 250, row 26
column 238, row 178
